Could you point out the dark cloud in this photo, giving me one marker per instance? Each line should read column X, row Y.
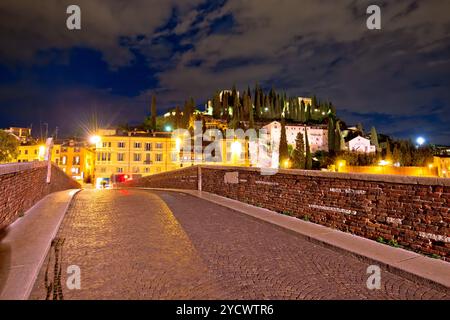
column 392, row 78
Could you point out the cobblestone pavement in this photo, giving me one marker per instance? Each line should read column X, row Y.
column 135, row 244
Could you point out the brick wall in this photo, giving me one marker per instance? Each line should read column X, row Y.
column 184, row 178
column 413, row 211
column 24, row 184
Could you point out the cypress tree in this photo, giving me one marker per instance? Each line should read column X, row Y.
column 374, row 138
column 331, row 135
column 251, row 120
column 216, row 105
column 257, row 102
column 177, row 121
column 337, row 138
column 308, row 152
column 283, row 150
column 298, row 155
column 302, row 112
column 388, row 156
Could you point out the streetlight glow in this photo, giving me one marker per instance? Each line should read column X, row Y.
column 420, row 141
column 95, row 139
column 168, row 128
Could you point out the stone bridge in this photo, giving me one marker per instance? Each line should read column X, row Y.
column 207, row 232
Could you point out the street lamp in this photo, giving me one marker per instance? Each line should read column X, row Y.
column 420, row 141
column 95, row 139
column 168, row 128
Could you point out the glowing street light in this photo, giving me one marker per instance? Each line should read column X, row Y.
column 420, row 141
column 168, row 128
column 236, row 147
column 95, row 139
column 383, row 163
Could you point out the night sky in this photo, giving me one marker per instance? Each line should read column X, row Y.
column 396, row 78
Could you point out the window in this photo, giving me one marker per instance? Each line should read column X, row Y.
column 64, row 160
column 148, row 146
column 35, row 151
column 76, row 160
column 159, row 157
column 106, row 144
column 121, row 157
column 159, row 145
column 104, row 156
column 26, row 151
column 148, row 158
column 137, row 145
column 119, row 170
column 136, row 157
column 121, row 145
column 146, row 169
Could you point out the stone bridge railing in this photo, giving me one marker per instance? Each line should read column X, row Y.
column 24, row 184
column 412, row 212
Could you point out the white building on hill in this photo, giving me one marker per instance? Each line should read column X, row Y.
column 360, row 144
column 317, row 134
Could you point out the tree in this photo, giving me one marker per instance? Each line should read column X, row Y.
column 188, row 111
column 302, row 112
column 388, row 156
column 331, row 134
column 338, row 146
column 298, row 155
column 360, row 128
column 153, row 113
column 396, row 154
column 257, row 101
column 178, row 120
column 308, row 152
column 283, row 150
column 216, row 106
column 374, row 138
column 8, row 147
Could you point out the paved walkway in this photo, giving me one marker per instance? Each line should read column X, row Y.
column 140, row 244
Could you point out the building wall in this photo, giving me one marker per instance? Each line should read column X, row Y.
column 123, row 154
column 24, row 184
column 77, row 162
column 413, row 211
column 36, row 152
column 317, row 136
column 360, row 144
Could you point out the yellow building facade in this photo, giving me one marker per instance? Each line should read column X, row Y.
column 37, row 152
column 77, row 161
column 133, row 155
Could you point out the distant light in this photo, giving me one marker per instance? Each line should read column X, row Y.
column 420, row 141
column 286, row 163
column 383, row 163
column 397, row 164
column 266, row 109
column 168, row 128
column 430, row 166
column 236, row 147
column 41, row 151
column 95, row 139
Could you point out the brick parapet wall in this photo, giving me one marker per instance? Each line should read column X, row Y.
column 410, row 210
column 413, row 211
column 24, row 184
column 184, row 178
